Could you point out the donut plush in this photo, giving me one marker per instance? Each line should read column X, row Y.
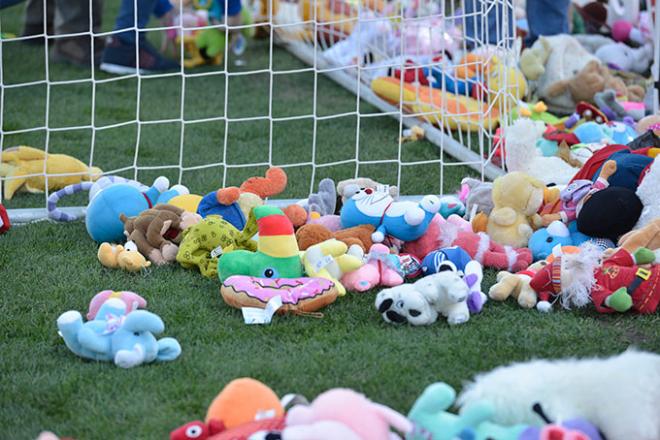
column 298, row 294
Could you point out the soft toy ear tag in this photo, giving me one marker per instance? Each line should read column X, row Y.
column 558, row 229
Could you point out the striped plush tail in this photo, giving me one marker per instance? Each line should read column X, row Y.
column 57, row 214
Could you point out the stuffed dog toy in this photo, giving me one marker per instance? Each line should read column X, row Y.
column 421, row 303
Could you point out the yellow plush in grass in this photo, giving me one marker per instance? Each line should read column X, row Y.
column 24, row 169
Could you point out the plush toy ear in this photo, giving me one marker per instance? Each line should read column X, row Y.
column 274, row 183
column 227, row 196
column 141, row 320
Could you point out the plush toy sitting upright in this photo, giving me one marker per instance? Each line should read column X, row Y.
column 127, row 339
column 277, row 255
column 405, row 221
column 421, row 303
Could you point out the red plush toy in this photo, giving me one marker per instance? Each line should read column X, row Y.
column 4, row 220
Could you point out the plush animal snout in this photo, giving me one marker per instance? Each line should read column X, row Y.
column 395, row 317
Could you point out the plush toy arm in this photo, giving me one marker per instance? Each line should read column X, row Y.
column 168, row 349
column 503, row 216
column 92, row 341
column 379, row 235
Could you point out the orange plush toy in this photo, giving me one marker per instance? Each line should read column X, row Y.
column 254, row 190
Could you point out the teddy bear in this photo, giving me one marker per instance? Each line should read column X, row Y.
column 125, row 257
column 517, row 198
column 422, row 302
column 157, row 231
column 311, row 234
column 591, row 79
column 516, row 285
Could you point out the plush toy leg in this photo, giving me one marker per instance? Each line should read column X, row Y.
column 390, row 278
column 69, row 324
column 168, row 349
column 362, row 279
column 457, row 313
column 130, row 358
column 527, row 296
column 506, row 284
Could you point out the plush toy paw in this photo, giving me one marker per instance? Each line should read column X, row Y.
column 620, row 300
column 161, row 184
column 377, row 237
column 476, row 301
column 130, row 358
column 169, row 251
column 458, row 318
column 156, row 257
column 414, row 216
column 544, row 306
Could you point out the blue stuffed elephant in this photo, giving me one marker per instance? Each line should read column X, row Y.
column 127, row 339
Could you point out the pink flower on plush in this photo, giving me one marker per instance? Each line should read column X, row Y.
column 132, row 300
column 376, row 272
column 368, row 420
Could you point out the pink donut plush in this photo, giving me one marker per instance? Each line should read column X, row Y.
column 298, row 294
column 132, row 300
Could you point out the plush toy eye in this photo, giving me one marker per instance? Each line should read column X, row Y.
column 194, row 431
column 399, row 304
column 549, row 239
column 270, row 273
column 130, row 246
column 136, row 333
column 414, row 313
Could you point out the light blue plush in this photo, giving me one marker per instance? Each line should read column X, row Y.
column 377, row 208
column 450, row 205
column 102, row 213
column 126, row 339
column 543, row 241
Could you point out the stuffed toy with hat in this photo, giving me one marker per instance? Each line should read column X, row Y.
column 23, row 169
column 405, row 221
column 456, row 260
column 331, row 260
column 422, row 302
column 132, row 300
column 234, row 203
column 125, row 257
column 516, row 285
column 5, row 224
column 244, row 407
column 458, row 232
column 353, row 416
column 517, row 198
column 381, row 269
column 312, row 233
column 158, row 231
column 127, row 339
column 277, row 254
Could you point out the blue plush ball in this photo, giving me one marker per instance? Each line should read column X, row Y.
column 102, row 215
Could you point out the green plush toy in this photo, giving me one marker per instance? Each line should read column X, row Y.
column 210, row 42
column 277, row 254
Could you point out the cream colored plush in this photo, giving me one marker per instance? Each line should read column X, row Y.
column 516, row 285
column 517, row 197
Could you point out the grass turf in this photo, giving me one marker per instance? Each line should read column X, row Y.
column 48, row 268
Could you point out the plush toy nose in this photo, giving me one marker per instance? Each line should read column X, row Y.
column 395, row 317
column 369, row 190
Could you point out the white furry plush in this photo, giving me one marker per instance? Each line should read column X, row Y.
column 620, row 395
column 649, row 193
column 522, row 154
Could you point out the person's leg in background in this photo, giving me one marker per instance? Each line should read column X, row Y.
column 34, row 19
column 546, row 17
column 120, row 53
column 72, row 17
column 484, row 22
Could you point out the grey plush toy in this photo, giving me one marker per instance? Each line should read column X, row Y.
column 479, row 198
column 324, row 201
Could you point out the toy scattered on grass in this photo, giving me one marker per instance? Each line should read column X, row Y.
column 243, row 407
column 318, row 204
column 298, row 295
column 516, row 285
column 24, row 167
column 125, row 257
column 403, row 220
column 5, row 224
column 132, row 300
column 543, row 241
column 455, row 259
column 127, row 339
column 277, row 254
column 203, row 243
column 381, row 269
column 571, row 389
column 331, row 260
column 422, row 302
column 311, row 234
column 158, row 231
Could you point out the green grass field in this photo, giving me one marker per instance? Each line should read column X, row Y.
column 48, row 268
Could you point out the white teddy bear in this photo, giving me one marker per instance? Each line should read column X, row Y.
column 421, row 303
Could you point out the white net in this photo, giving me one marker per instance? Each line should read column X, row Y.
column 217, row 120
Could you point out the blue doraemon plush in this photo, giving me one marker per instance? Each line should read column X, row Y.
column 544, row 240
column 127, row 339
column 456, row 259
column 406, row 221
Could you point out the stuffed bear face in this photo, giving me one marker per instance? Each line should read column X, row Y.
column 404, row 303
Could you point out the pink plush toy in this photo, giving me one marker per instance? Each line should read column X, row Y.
column 380, row 270
column 132, row 300
column 351, row 412
column 458, row 232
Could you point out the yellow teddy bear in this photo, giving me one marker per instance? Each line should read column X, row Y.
column 517, row 198
column 24, row 167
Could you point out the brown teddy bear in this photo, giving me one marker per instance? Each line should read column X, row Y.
column 593, row 78
column 311, row 234
column 157, row 231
